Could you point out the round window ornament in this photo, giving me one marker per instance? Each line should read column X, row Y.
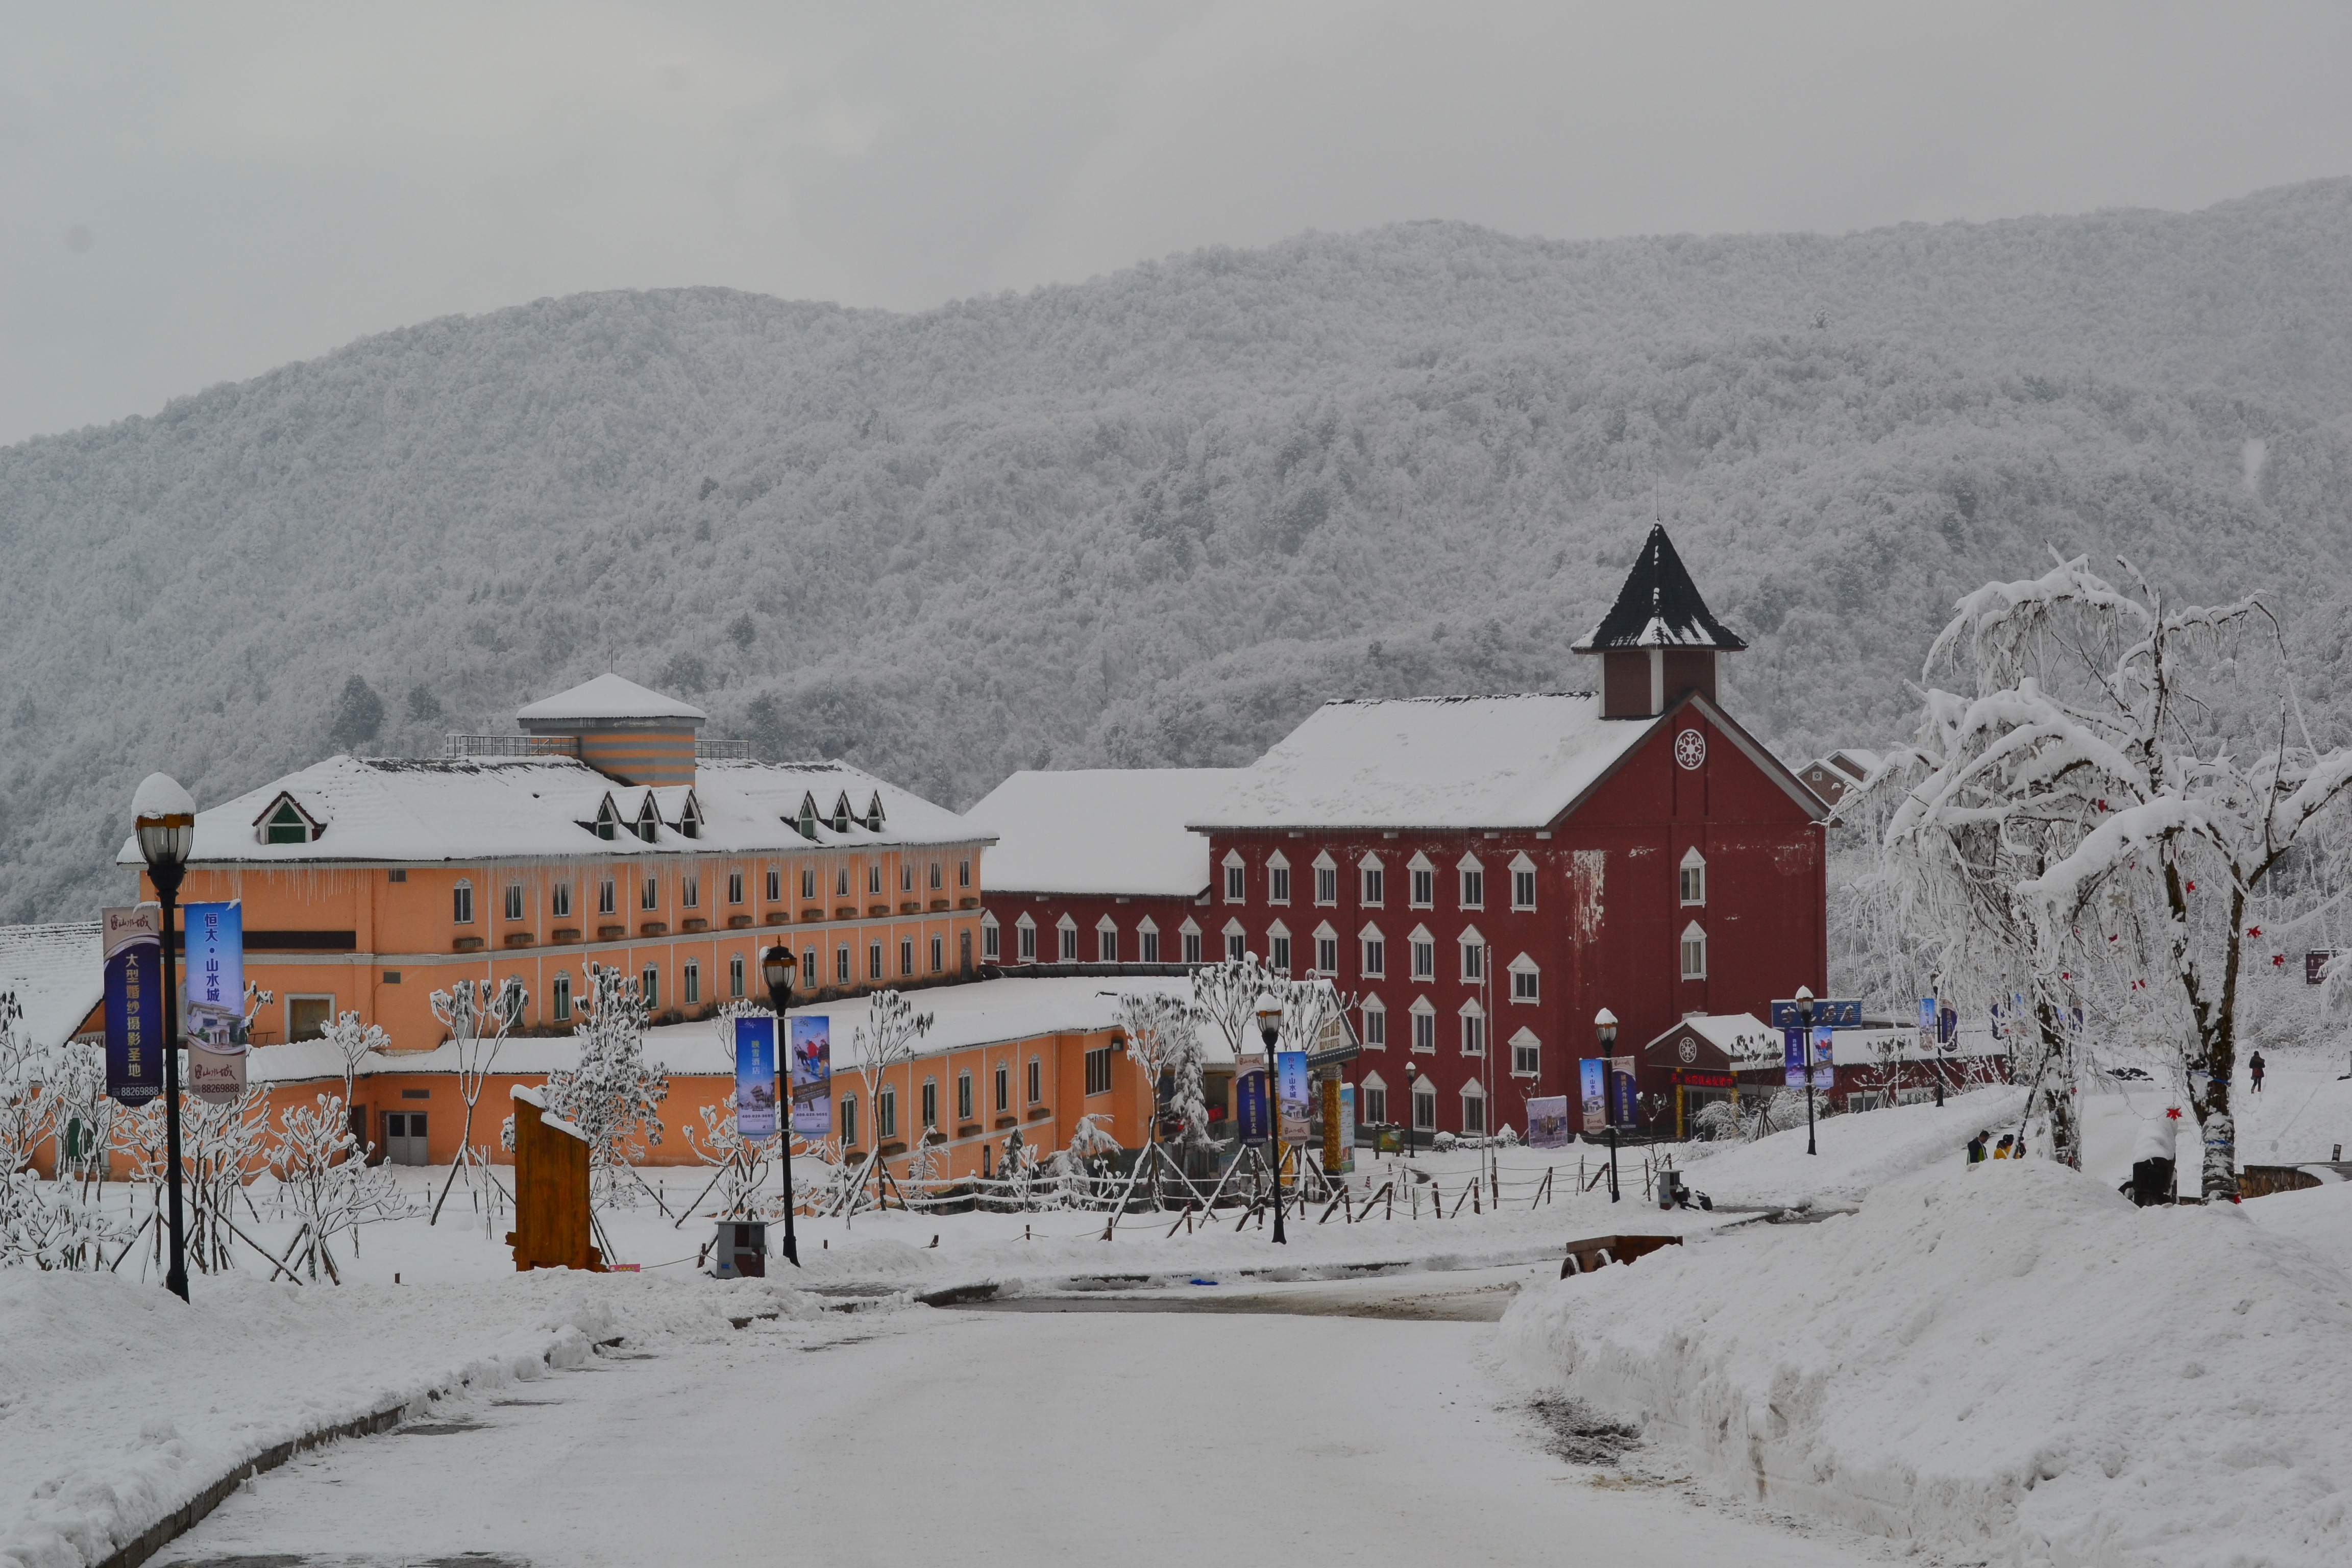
column 1690, row 749
column 1687, row 1050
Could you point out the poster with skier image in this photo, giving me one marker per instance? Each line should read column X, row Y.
column 755, row 1076
column 812, row 1075
column 132, row 947
column 1825, row 1068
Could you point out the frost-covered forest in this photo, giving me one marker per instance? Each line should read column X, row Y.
column 1153, row 518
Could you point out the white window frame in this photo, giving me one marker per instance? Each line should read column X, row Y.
column 559, row 900
column 1277, row 878
column 1422, row 891
column 1236, row 941
column 1372, row 953
column 1375, row 1027
column 1524, row 968
column 1690, row 880
column 1425, row 1027
column 1326, row 951
column 514, row 902
column 735, row 977
column 1371, row 1084
column 1471, row 1030
column 1422, row 956
column 558, row 1007
column 1105, row 940
column 1523, row 882
column 1471, row 948
column 1473, row 1094
column 690, row 983
column 1036, row 1081
column 1327, row 875
column 1147, row 939
column 1236, row 877
column 1693, row 945
column 992, row 939
column 1190, row 934
column 1027, row 943
column 1371, row 882
column 461, row 903
column 1423, row 1096
column 1527, row 1054
column 1469, row 883
column 1278, row 948
column 1066, row 930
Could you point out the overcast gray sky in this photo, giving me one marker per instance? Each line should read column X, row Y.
column 190, row 194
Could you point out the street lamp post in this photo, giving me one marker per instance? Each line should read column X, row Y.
column 776, row 967
column 1605, row 1022
column 1805, row 1023
column 166, row 816
column 1269, row 1028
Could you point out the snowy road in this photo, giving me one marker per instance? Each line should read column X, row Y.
column 995, row 1437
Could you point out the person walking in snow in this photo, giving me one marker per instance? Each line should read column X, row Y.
column 2151, row 1177
column 2001, row 1150
column 1976, row 1150
column 2254, row 1070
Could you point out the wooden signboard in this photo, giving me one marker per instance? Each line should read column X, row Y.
column 551, row 1190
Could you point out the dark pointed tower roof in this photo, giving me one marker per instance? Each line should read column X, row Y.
column 1659, row 606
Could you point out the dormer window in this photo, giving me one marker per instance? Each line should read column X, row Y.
column 286, row 823
column 874, row 813
column 690, row 821
column 808, row 817
column 648, row 819
column 841, row 812
column 608, row 820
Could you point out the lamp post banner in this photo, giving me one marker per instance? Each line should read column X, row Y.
column 1624, row 1092
column 1792, row 1057
column 811, row 1072
column 755, row 1076
column 1823, row 1065
column 1291, row 1070
column 212, row 983
column 1593, row 1087
column 1547, row 1122
column 1249, row 1100
column 133, row 944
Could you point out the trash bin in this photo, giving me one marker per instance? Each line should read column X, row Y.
column 741, row 1250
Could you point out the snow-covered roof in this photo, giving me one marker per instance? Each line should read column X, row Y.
column 58, row 973
column 1431, row 761
column 418, row 811
column 1100, row 830
column 1856, row 763
column 1659, row 606
column 1736, row 1035
column 607, row 697
column 980, row 1013
column 1876, row 1043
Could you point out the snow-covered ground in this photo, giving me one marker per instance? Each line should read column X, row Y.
column 2013, row 1363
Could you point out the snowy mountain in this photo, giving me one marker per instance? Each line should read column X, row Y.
column 1154, row 518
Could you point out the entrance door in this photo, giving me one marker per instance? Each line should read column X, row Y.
column 404, row 1137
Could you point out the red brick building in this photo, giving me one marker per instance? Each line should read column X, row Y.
column 1488, row 873
column 1095, row 866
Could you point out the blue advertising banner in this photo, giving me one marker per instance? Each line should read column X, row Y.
column 133, row 944
column 755, row 1076
column 1824, row 1064
column 1624, row 1106
column 1290, row 1075
column 1249, row 1100
column 811, row 1072
column 1592, row 1089
column 1838, row 1012
column 215, row 976
column 1792, row 1057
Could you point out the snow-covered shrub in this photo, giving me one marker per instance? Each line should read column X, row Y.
column 325, row 1182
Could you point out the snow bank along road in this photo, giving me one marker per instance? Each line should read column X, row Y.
column 988, row 1437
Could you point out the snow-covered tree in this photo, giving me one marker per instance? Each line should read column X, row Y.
column 478, row 1016
column 612, row 1096
column 1162, row 1032
column 353, row 1041
column 325, row 1182
column 889, row 1037
column 43, row 1225
column 2116, row 794
column 1226, row 995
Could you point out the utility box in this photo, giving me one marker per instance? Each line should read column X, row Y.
column 741, row 1250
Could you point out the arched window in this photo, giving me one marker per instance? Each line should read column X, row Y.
column 1474, row 1109
column 990, row 940
column 1694, row 877
column 1376, row 1026
column 558, row 1007
column 462, row 903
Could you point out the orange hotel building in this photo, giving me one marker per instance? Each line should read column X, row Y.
column 608, row 832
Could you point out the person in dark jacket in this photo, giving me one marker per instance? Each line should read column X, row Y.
column 2152, row 1156
column 2254, row 1070
column 1976, row 1150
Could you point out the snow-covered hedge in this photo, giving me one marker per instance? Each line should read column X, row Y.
column 2014, row 1363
